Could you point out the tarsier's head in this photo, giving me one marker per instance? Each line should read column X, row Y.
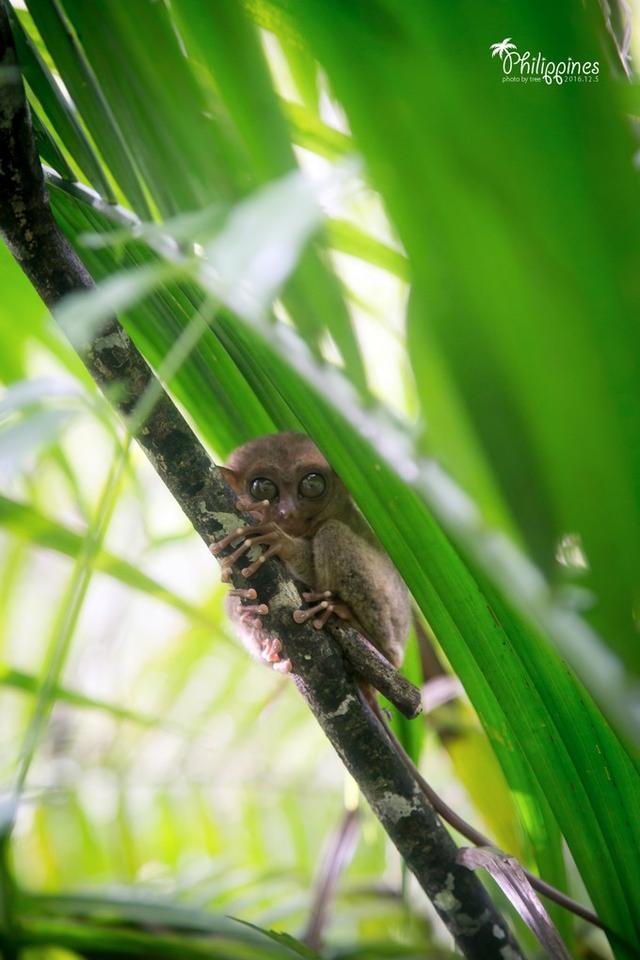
column 288, row 471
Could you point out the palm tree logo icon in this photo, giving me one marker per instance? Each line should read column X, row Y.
column 505, row 46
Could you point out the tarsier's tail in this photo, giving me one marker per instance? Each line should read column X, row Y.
column 370, row 694
column 464, row 828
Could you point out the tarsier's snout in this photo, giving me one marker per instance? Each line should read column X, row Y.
column 289, row 517
column 285, row 511
column 293, row 525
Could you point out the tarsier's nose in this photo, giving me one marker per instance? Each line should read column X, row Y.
column 284, row 510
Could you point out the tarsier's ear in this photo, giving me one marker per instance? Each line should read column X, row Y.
column 233, row 479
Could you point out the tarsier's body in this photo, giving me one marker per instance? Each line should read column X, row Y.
column 307, row 518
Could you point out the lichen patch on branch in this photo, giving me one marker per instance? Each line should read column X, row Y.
column 394, row 806
column 446, row 900
column 344, row 707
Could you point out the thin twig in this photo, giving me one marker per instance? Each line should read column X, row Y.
column 335, row 859
column 369, row 664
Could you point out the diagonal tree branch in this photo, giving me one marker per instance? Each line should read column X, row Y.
column 55, row 270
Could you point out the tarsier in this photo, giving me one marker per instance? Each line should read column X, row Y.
column 307, row 518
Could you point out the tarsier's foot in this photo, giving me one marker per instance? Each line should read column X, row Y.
column 249, row 613
column 328, row 604
column 283, row 666
column 324, row 608
column 271, row 649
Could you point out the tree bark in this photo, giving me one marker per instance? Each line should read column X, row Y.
column 319, row 669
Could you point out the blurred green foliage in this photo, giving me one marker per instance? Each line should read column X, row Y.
column 156, row 781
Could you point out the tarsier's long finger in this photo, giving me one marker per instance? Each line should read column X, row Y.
column 243, row 593
column 251, row 569
column 321, row 595
column 271, row 538
column 273, row 550
column 249, row 505
column 239, row 552
column 260, row 535
column 320, row 621
column 218, row 545
column 301, row 616
column 254, row 609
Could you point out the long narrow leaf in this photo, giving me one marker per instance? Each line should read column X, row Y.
column 231, row 49
column 88, row 99
column 525, row 279
column 27, row 683
column 59, row 112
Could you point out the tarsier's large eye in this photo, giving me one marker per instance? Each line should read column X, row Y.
column 263, row 489
column 313, row 485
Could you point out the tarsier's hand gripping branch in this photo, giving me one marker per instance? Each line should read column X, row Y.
column 307, row 518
